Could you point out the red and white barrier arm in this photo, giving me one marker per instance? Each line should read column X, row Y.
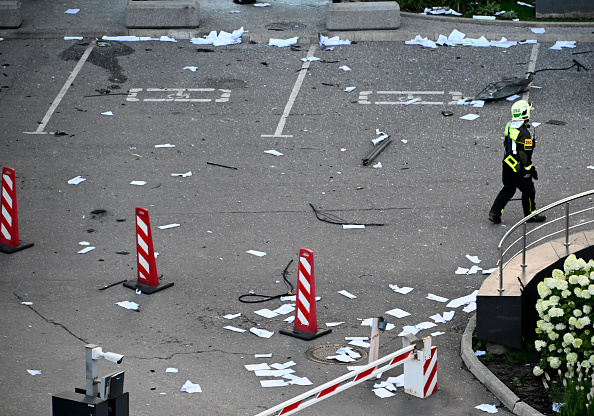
column 341, row 383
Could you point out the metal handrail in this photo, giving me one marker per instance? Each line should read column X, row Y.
column 523, row 222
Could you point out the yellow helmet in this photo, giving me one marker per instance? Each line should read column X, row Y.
column 521, row 110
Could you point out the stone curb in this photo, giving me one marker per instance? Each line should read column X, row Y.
column 488, row 379
column 521, row 23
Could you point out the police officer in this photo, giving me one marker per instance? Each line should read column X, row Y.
column 518, row 170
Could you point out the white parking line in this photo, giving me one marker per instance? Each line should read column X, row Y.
column 296, row 88
column 62, row 92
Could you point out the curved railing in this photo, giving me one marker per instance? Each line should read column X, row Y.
column 550, row 222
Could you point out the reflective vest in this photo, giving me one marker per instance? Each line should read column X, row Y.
column 512, row 146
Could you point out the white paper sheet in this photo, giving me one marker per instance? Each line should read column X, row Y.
column 349, row 89
column 191, row 68
column 171, row 370
column 471, row 307
column 461, row 270
column 283, row 365
column 262, row 333
column 434, row 334
column 183, row 175
column 347, row 294
column 351, row 226
column 34, row 372
column 86, row 250
column 27, row 303
column 254, row 367
column 166, row 146
column 71, row 38
column 266, row 313
column 107, row 113
column 402, row 290
column 356, row 338
column 165, row 227
column 563, row 44
column 397, row 381
column 383, row 393
column 484, row 17
column 435, row 297
column 273, row 383
column 513, row 97
column 489, row 271
column 334, row 41
column 489, row 408
column 359, row 343
column 282, row 43
column 223, row 38
column 300, row 381
column 128, row 305
column 273, row 152
column 256, row 253
column 398, row 313
column 408, row 329
column 190, row 387
column 273, row 373
column 343, row 358
column 464, row 300
column 76, row 181
column 470, row 117
column 139, row 183
column 72, row 11
column 334, row 323
column 425, row 325
column 537, row 30
column 232, row 328
column 284, row 309
column 344, row 68
column 263, row 355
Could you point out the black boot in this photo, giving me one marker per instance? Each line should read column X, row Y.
column 495, row 219
column 538, row 218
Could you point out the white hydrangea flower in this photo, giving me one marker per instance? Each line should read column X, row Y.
column 583, row 280
column 570, row 263
column 560, row 327
column 591, row 359
column 577, row 342
column 572, row 321
column 554, row 362
column 543, row 290
column 568, row 338
column 573, row 279
column 577, row 313
column 537, row 371
column 572, row 357
column 552, row 347
column 585, row 320
column 554, row 300
column 577, row 291
column 552, row 335
column 555, row 312
column 565, row 293
column 562, row 284
column 538, row 344
column 585, row 294
column 587, row 309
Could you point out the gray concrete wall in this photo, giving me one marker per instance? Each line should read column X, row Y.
column 577, row 9
column 163, row 14
column 10, row 14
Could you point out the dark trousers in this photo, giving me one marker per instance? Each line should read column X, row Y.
column 512, row 181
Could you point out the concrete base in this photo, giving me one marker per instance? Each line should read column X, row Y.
column 572, row 9
column 10, row 14
column 162, row 14
column 363, row 15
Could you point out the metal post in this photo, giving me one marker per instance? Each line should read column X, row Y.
column 567, row 244
column 524, row 249
column 92, row 373
column 375, row 334
column 501, row 270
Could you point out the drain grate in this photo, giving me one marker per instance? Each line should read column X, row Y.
column 319, row 353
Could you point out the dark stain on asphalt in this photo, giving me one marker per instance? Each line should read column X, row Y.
column 105, row 57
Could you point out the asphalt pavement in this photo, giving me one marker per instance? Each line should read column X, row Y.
column 73, row 108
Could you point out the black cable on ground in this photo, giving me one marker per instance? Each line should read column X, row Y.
column 575, row 63
column 266, row 298
column 333, row 219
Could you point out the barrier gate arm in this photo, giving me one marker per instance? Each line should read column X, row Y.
column 333, row 387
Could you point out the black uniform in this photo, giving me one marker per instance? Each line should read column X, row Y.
column 517, row 163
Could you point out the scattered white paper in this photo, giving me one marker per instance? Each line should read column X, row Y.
column 489, row 271
column 408, row 329
column 521, row 3
column 27, row 303
column 191, row 68
column 536, row 124
column 484, row 17
column 360, row 343
column 352, row 226
column 266, row 313
column 171, row 370
column 479, row 353
column 447, row 316
column 284, row 309
column 334, row 323
column 378, row 165
column 284, row 365
column 341, row 357
column 441, row 10
column 397, row 381
column 386, row 385
column 273, row 152
column 349, row 89
column 414, row 100
column 71, row 38
column 107, row 113
column 86, row 250
column 590, row 167
column 461, row 270
column 262, row 5
column 425, row 325
column 383, row 393
column 223, row 38
column 470, row 117
column 269, row 355
column 232, row 316
column 557, row 407
column 34, row 372
column 76, row 181
column 273, row 383
column 166, row 145
column 398, row 313
column 300, row 381
column 528, row 41
column 166, row 39
column 464, row 300
column 256, row 253
column 183, row 175
column 435, row 297
column 563, row 44
column 165, row 227
column 282, row 43
column 335, row 41
column 344, row 68
column 273, row 373
column 311, row 59
column 513, row 97
column 489, row 408
column 232, row 328
column 402, row 290
column 254, row 367
column 128, row 305
column 72, row 11
column 471, row 307
column 84, row 243
column 474, row 269
column 434, row 334
column 262, row 333
column 537, row 30
column 347, row 294
column 139, row 183
column 190, row 387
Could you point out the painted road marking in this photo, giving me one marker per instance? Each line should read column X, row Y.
column 404, row 97
column 62, row 92
column 293, row 96
column 531, row 66
column 179, row 95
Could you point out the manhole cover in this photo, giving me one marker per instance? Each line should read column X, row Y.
column 286, row 26
column 320, row 352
